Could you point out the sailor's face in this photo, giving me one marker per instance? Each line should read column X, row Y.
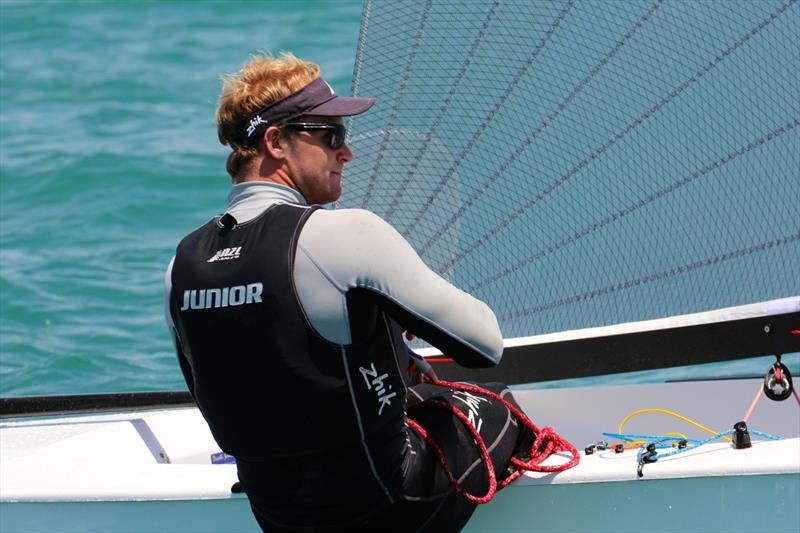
column 315, row 167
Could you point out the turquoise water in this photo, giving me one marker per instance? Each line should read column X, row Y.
column 109, row 155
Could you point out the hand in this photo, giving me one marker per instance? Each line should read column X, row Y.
column 428, row 376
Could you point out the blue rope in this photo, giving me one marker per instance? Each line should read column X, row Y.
column 659, row 442
column 697, row 444
column 765, row 435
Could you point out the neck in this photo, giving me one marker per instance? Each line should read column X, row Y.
column 264, row 170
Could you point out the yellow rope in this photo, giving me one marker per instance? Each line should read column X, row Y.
column 666, row 412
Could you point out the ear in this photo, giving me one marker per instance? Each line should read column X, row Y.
column 275, row 143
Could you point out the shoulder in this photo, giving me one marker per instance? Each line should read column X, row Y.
column 356, row 240
column 348, row 224
column 198, row 232
column 349, row 216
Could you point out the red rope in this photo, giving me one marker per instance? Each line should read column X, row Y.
column 547, row 443
column 759, row 392
column 487, row 460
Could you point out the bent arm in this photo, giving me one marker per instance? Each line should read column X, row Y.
column 354, row 249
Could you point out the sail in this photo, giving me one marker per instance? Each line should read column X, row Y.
column 581, row 164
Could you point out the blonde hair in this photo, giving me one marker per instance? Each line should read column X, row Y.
column 260, row 82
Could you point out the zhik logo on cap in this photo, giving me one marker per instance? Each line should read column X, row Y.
column 255, row 122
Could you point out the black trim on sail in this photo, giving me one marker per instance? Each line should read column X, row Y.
column 630, row 352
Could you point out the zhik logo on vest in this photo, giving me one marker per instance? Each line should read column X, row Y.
column 222, row 297
column 376, row 384
column 225, row 254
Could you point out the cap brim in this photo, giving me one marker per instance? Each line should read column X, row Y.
column 342, row 106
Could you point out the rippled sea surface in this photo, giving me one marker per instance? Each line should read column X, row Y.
column 109, row 155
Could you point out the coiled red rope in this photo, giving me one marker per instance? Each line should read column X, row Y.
column 487, row 460
column 546, row 443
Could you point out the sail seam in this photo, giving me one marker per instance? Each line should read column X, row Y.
column 426, row 204
column 545, row 123
column 602, row 149
column 441, row 111
column 396, row 102
column 682, row 269
column 639, row 204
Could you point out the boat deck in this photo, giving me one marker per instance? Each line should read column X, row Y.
column 133, row 465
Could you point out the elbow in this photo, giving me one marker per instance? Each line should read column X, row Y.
column 486, row 357
column 496, row 349
column 493, row 346
column 487, row 348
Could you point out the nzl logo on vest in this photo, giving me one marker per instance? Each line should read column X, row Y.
column 375, row 382
column 225, row 254
column 222, row 297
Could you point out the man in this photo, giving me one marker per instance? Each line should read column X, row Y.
column 288, row 324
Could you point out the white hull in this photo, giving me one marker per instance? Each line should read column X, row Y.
column 714, row 503
column 151, row 471
column 191, row 516
column 696, row 504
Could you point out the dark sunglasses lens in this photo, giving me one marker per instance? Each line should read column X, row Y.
column 336, row 139
column 334, row 133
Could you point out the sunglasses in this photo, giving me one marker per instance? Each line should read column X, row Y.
column 334, row 136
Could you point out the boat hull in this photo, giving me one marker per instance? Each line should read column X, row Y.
column 731, row 504
column 159, row 470
column 200, row 516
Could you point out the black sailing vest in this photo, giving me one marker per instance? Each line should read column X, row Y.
column 275, row 394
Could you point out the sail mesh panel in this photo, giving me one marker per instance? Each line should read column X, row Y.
column 578, row 164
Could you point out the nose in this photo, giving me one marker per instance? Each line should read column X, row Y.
column 344, row 155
